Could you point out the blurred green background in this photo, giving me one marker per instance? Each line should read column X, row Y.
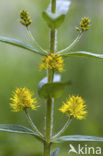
column 20, row 68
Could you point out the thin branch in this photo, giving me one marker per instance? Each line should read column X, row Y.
column 71, row 45
column 33, row 125
column 62, row 130
column 33, row 39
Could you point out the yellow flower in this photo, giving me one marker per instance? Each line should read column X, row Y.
column 84, row 24
column 25, row 18
column 75, row 107
column 22, row 100
column 52, row 61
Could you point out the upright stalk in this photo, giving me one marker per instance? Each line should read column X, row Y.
column 50, row 101
column 53, row 6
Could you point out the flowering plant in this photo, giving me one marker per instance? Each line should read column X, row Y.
column 50, row 87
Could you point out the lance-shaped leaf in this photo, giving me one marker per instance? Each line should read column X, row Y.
column 20, row 44
column 54, row 20
column 55, row 152
column 54, row 89
column 12, row 128
column 84, row 54
column 16, row 129
column 77, row 138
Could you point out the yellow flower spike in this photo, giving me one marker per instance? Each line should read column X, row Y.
column 22, row 100
column 85, row 24
column 74, row 107
column 52, row 61
column 25, row 18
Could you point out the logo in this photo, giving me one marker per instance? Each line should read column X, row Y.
column 85, row 150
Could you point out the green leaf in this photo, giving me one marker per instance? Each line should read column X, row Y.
column 55, row 152
column 77, row 138
column 84, row 54
column 16, row 129
column 57, row 78
column 55, row 20
column 20, row 44
column 54, row 89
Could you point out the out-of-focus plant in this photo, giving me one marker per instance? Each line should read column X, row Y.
column 51, row 86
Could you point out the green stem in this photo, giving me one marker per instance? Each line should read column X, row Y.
column 50, row 101
column 47, row 149
column 53, row 41
column 53, row 6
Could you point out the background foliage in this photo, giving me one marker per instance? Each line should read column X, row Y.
column 20, row 68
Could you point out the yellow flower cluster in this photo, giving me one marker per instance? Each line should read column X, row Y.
column 74, row 107
column 84, row 24
column 52, row 61
column 25, row 18
column 22, row 100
